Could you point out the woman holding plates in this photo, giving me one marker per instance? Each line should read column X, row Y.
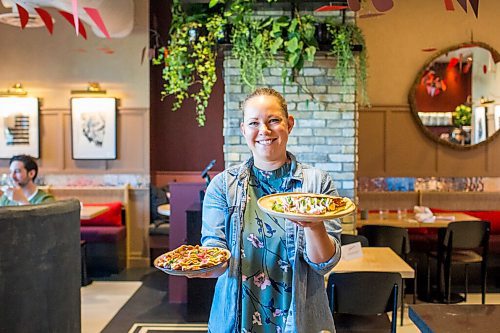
column 274, row 280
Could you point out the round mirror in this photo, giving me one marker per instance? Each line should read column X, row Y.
column 456, row 96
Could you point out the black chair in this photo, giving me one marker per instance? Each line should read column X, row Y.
column 360, row 301
column 460, row 243
column 349, row 239
column 399, row 241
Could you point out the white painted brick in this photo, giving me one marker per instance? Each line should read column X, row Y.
column 338, row 140
column 313, row 71
column 311, row 123
column 301, row 148
column 302, row 131
column 311, row 157
column 328, row 149
column 347, row 185
column 348, row 132
column 348, row 150
column 343, row 175
column 329, row 133
column 232, row 157
column 232, row 140
column 311, row 140
column 329, row 166
column 347, row 115
column 348, row 167
column 327, row 115
column 340, row 123
column 340, row 158
column 348, row 98
column 328, row 97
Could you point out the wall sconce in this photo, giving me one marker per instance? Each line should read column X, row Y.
column 16, row 90
column 486, row 101
column 92, row 88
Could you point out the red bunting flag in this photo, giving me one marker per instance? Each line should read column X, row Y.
column 475, row 6
column 382, row 5
column 69, row 18
column 96, row 17
column 354, row 5
column 463, row 4
column 23, row 15
column 74, row 6
column 449, row 4
column 330, row 8
column 46, row 18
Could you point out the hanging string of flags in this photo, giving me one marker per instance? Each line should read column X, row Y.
column 385, row 5
column 73, row 18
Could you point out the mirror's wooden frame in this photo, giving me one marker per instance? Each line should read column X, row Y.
column 413, row 103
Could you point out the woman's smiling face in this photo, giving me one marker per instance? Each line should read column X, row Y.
column 266, row 127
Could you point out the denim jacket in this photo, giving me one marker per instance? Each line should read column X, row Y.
column 223, row 209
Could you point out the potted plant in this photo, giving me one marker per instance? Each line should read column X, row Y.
column 462, row 115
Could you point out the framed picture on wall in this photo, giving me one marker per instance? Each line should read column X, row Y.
column 496, row 118
column 93, row 128
column 19, row 127
column 479, row 124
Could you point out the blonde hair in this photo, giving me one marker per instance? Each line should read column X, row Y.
column 267, row 92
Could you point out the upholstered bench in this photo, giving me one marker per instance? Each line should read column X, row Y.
column 105, row 236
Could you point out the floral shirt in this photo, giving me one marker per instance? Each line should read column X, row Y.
column 266, row 270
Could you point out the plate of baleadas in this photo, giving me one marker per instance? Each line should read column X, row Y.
column 308, row 207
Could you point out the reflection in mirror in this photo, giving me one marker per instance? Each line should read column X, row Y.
column 456, row 96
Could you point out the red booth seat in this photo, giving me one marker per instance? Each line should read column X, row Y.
column 106, row 236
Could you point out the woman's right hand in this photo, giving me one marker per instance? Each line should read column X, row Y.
column 212, row 274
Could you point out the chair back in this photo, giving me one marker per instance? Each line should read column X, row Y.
column 386, row 236
column 467, row 234
column 363, row 293
column 349, row 239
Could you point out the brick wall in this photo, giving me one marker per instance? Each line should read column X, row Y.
column 325, row 128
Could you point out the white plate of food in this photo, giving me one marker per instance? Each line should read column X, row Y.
column 192, row 260
column 308, row 207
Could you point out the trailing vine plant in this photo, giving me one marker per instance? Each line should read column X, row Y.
column 254, row 41
column 189, row 59
column 345, row 36
column 190, row 55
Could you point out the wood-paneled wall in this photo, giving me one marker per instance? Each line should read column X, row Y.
column 391, row 144
column 133, row 158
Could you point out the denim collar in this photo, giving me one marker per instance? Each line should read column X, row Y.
column 295, row 168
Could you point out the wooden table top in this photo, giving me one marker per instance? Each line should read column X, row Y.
column 410, row 222
column 376, row 259
column 454, row 318
column 89, row 212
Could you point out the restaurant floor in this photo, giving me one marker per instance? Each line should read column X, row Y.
column 136, row 301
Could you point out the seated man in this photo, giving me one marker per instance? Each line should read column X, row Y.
column 23, row 172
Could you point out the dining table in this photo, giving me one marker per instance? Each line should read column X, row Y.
column 392, row 220
column 89, row 212
column 453, row 318
column 441, row 223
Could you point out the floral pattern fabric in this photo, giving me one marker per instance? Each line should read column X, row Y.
column 266, row 270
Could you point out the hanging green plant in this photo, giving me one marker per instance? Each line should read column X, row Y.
column 189, row 59
column 300, row 46
column 345, row 37
column 254, row 41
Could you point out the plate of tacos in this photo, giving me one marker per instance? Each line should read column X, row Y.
column 307, row 207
